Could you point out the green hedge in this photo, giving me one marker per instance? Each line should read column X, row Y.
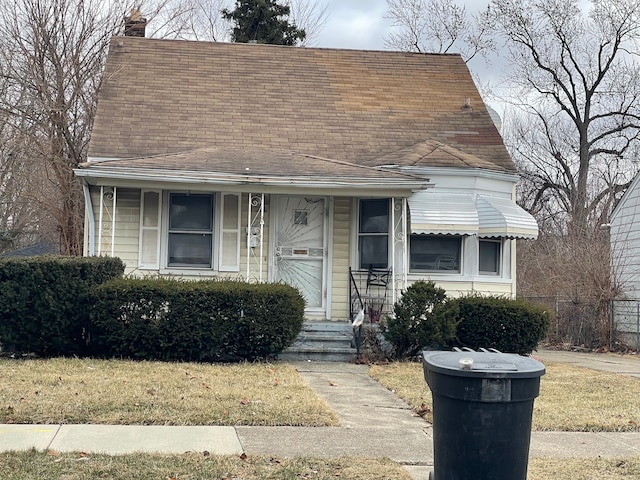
column 422, row 318
column 168, row 319
column 511, row 326
column 45, row 300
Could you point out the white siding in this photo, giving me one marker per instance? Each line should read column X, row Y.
column 625, row 242
column 127, row 224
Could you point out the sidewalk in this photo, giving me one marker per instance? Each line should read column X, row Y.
column 374, row 423
column 626, row 364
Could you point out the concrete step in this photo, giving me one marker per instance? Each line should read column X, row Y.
column 322, row 341
column 315, row 354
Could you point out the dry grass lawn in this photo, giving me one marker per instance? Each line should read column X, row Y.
column 571, row 398
column 584, row 469
column 192, row 466
column 155, row 393
column 74, row 466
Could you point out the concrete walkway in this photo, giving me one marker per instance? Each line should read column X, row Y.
column 627, row 364
column 374, row 423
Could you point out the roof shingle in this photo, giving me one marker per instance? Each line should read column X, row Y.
column 162, row 97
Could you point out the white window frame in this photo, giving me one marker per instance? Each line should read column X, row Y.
column 360, row 234
column 436, row 259
column 499, row 258
column 158, row 260
column 167, row 232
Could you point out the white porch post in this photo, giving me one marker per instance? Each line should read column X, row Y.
column 100, row 221
column 261, row 234
column 250, row 197
column 400, row 249
column 91, row 221
column 394, row 250
column 113, row 222
column 405, row 247
column 255, row 233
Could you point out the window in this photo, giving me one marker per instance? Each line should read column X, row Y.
column 489, row 257
column 190, row 230
column 194, row 230
column 373, row 234
column 435, row 253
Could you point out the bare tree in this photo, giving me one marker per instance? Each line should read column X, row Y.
column 438, row 26
column 205, row 21
column 579, row 111
column 52, row 54
column 309, row 16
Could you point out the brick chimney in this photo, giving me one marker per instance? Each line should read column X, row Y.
column 134, row 24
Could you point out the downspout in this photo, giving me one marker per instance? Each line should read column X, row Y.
column 91, row 221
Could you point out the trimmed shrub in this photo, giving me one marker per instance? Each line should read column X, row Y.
column 422, row 318
column 511, row 326
column 168, row 319
column 45, row 301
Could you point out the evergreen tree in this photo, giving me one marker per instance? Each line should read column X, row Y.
column 263, row 21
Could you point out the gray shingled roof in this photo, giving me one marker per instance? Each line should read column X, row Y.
column 220, row 105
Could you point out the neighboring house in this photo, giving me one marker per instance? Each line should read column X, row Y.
column 624, row 238
column 42, row 248
column 302, row 165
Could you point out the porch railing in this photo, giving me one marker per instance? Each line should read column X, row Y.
column 370, row 291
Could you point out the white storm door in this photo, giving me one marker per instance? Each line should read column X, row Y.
column 300, row 246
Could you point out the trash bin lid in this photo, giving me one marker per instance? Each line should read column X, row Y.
column 483, row 364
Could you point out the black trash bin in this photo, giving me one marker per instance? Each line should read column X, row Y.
column 482, row 409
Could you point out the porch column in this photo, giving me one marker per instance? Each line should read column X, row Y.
column 255, row 235
column 100, row 221
column 399, row 259
column 91, row 222
column 113, row 222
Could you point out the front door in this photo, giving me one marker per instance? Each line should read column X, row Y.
column 299, row 251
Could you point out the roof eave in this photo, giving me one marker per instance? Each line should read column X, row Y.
column 128, row 177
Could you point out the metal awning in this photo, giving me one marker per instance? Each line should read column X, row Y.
column 443, row 213
column 437, row 213
column 502, row 217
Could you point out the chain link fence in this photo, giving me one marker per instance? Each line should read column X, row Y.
column 575, row 323
column 625, row 323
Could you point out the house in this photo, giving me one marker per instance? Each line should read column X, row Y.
column 321, row 168
column 624, row 239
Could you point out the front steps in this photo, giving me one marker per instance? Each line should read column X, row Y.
column 322, row 342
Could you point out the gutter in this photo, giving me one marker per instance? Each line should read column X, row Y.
column 412, row 182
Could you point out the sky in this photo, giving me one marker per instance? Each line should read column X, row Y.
column 361, row 24
column 357, row 24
